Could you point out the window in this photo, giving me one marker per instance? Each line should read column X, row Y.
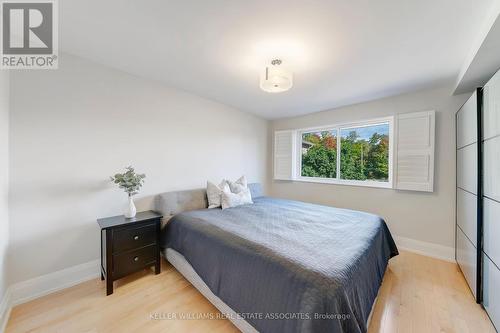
column 355, row 154
column 364, row 153
column 361, row 153
column 319, row 154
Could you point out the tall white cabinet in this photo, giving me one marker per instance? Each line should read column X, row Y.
column 491, row 199
column 478, row 195
column 469, row 188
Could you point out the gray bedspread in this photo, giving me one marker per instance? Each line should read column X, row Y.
column 288, row 266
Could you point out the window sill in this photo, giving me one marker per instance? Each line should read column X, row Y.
column 375, row 184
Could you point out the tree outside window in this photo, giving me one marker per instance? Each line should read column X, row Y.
column 364, row 153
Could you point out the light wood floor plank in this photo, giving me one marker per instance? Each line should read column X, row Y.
column 419, row 294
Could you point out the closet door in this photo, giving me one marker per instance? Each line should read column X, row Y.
column 491, row 201
column 468, row 223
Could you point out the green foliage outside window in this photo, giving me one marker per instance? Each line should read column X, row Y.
column 319, row 155
column 360, row 158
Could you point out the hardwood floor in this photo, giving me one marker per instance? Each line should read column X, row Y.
column 419, row 294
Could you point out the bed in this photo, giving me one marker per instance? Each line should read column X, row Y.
column 279, row 265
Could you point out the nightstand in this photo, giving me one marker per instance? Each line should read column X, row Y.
column 129, row 245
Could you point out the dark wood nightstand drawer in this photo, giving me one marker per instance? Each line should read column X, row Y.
column 129, row 245
column 131, row 261
column 133, row 238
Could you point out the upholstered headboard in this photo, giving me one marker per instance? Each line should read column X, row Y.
column 171, row 203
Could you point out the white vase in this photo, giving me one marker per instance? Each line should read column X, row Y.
column 131, row 210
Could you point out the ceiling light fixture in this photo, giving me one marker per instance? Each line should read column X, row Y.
column 275, row 78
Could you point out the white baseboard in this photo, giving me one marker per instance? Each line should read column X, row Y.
column 46, row 284
column 427, row 249
column 5, row 308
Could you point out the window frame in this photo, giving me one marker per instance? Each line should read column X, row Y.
column 338, row 128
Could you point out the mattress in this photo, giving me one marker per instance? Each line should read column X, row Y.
column 287, row 266
column 182, row 265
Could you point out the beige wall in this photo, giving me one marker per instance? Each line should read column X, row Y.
column 427, row 217
column 4, row 179
column 73, row 127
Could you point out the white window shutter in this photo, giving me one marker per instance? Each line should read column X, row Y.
column 284, row 155
column 415, row 151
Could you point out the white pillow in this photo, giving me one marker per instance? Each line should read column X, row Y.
column 239, row 185
column 214, row 193
column 230, row 199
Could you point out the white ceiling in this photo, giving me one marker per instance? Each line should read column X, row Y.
column 341, row 52
column 484, row 58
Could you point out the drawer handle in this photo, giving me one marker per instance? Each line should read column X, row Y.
column 136, row 237
column 136, row 259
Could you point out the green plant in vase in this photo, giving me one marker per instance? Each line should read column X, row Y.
column 131, row 182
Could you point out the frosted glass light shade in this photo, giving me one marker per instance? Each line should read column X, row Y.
column 275, row 79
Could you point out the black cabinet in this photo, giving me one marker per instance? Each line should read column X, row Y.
column 129, row 245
